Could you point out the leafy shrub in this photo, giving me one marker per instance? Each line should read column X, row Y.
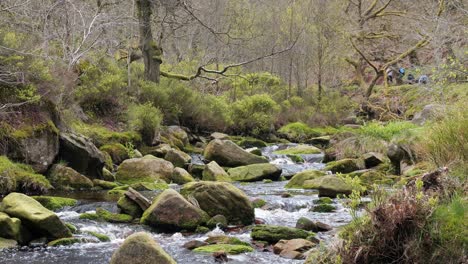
column 146, row 119
column 385, row 131
column 254, row 114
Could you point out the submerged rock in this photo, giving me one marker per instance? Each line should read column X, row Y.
column 273, row 234
column 298, row 180
column 255, row 172
column 146, row 169
column 140, row 248
column 214, row 172
column 65, row 178
column 221, row 198
column 34, row 216
column 227, row 153
column 171, row 211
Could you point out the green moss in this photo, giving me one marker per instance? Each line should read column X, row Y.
column 21, row 178
column 229, row 249
column 343, row 166
column 150, row 186
column 113, row 218
column 55, row 203
column 89, row 216
column 72, row 228
column 202, row 230
column 116, row 192
column 102, row 135
column 258, row 203
column 297, row 150
column 27, row 131
column 296, row 158
column 249, row 142
column 324, row 208
column 65, row 242
column 273, row 234
column 101, row 237
column 129, row 207
column 323, row 200
column 298, row 180
column 226, row 240
column 105, row 184
column 117, row 152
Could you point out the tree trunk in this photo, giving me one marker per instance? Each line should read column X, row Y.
column 150, row 51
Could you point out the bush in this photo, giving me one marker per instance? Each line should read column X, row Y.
column 146, row 119
column 254, row 114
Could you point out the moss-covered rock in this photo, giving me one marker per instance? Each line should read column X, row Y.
column 34, row 216
column 273, row 234
column 229, row 249
column 255, row 172
column 65, row 241
column 329, row 186
column 217, row 220
column 343, row 166
column 293, row 249
column 181, row 176
column 55, row 203
column 221, row 198
column 129, row 207
column 89, row 216
column 223, row 239
column 373, row 159
column 11, row 228
column 101, row 237
column 149, row 186
column 107, row 175
column 178, row 158
column 73, row 229
column 175, row 136
column 65, row 178
column 7, row 243
column 146, row 169
column 252, row 143
column 196, row 170
column 117, row 152
column 300, row 149
column 324, row 208
column 227, row 153
column 101, row 135
column 298, row 180
column 214, row 172
column 258, row 203
column 113, row 218
column 202, row 230
column 141, row 248
column 323, row 200
column 322, row 142
column 296, row 158
column 21, row 178
column 170, row 211
column 106, row 185
column 297, row 132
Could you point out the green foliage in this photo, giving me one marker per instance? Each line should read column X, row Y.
column 101, row 135
column 21, row 178
column 385, row 131
column 146, row 119
column 254, row 114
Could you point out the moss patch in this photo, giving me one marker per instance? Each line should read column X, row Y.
column 298, row 180
column 65, row 242
column 113, row 218
column 55, row 203
column 324, row 208
column 101, row 135
column 229, row 249
column 300, row 149
column 101, row 237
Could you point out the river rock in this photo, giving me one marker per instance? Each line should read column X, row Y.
column 38, row 219
column 10, row 227
column 140, row 248
column 178, row 158
column 81, row 155
column 227, row 153
column 127, row 206
column 218, row 135
column 217, row 220
column 171, row 211
column 429, row 112
column 214, row 172
column 194, row 244
column 323, row 142
column 329, row 186
column 181, row 176
column 146, row 169
column 221, row 198
column 255, row 172
column 273, row 234
column 309, row 225
column 116, row 151
column 7, row 243
column 298, row 180
column 174, row 136
column 373, row 159
column 343, row 166
column 65, row 178
column 293, row 249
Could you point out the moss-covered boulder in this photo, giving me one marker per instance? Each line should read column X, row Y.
column 146, row 169
column 140, row 248
column 273, row 234
column 111, row 217
column 255, row 172
column 159, row 185
column 175, row 136
column 322, row 142
column 106, row 185
column 65, row 178
column 116, row 151
column 324, row 208
column 258, row 203
column 181, row 176
column 170, row 211
column 329, row 186
column 178, row 158
column 11, row 228
column 129, row 207
column 252, row 143
column 38, row 219
column 298, row 179
column 65, row 241
column 300, row 149
column 107, row 175
column 7, row 243
column 217, row 220
column 227, row 248
column 55, row 203
column 297, row 132
column 214, row 172
column 227, row 153
column 343, row 166
column 221, row 198
column 21, row 178
column 81, row 155
column 99, row 236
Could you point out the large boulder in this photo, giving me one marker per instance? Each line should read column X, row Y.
column 140, row 248
column 255, row 172
column 221, row 198
column 329, row 186
column 7, row 243
column 178, row 158
column 214, row 172
column 65, row 178
column 298, row 180
column 38, row 219
column 116, row 151
column 10, row 227
column 82, row 155
column 429, row 112
column 273, row 234
column 293, row 248
column 373, row 159
column 146, row 169
column 227, row 153
column 343, row 166
column 181, row 176
column 174, row 136
column 309, row 225
column 170, row 211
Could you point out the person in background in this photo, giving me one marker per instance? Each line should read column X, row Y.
column 423, row 79
column 411, row 79
column 389, row 75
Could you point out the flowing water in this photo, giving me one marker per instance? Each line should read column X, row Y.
column 278, row 211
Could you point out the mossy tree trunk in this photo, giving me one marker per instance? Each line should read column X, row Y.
column 151, row 52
